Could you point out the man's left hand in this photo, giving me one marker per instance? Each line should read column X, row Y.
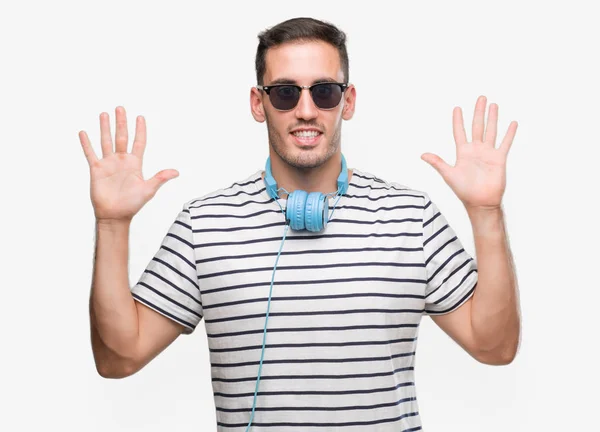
column 479, row 176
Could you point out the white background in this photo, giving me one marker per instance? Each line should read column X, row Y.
column 188, row 69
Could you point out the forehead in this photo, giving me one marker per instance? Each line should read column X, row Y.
column 303, row 62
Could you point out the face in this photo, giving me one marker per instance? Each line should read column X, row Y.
column 303, row 64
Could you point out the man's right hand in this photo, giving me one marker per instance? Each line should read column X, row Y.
column 117, row 187
column 125, row 334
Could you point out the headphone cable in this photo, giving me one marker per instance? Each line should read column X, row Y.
column 287, row 225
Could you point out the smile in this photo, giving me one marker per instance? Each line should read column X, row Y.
column 307, row 137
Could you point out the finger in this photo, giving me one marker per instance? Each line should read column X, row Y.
column 160, row 178
column 509, row 137
column 88, row 150
column 458, row 127
column 105, row 138
column 491, row 129
column 121, row 130
column 478, row 117
column 437, row 163
column 139, row 142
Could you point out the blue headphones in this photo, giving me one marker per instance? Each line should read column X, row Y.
column 309, row 211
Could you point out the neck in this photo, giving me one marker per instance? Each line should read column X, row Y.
column 319, row 179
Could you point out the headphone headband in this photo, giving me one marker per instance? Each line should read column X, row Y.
column 271, row 184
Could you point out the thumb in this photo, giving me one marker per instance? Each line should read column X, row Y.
column 437, row 163
column 160, row 178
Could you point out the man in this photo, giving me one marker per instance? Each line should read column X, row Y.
column 311, row 314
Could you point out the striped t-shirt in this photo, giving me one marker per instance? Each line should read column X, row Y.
column 345, row 307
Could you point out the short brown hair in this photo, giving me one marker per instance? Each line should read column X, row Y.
column 300, row 29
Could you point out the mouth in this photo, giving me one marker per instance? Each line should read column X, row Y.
column 307, row 137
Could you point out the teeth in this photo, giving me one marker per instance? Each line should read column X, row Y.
column 306, row 134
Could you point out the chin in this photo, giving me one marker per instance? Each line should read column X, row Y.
column 308, row 156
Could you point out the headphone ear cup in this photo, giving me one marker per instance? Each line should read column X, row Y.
column 294, row 211
column 314, row 214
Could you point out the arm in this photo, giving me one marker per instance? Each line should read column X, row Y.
column 125, row 334
column 487, row 326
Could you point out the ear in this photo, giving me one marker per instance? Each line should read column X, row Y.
column 349, row 102
column 256, row 105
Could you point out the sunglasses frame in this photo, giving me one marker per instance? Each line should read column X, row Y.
column 267, row 90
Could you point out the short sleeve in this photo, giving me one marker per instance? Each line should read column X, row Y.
column 169, row 284
column 451, row 271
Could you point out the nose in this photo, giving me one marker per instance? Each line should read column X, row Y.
column 306, row 108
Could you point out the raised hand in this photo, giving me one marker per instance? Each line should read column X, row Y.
column 479, row 175
column 117, row 187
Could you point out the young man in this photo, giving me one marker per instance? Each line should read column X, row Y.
column 311, row 278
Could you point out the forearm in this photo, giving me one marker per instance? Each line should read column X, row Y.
column 113, row 314
column 495, row 307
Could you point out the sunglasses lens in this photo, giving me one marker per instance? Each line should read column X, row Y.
column 284, row 97
column 327, row 96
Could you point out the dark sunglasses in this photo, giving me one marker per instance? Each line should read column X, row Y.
column 285, row 97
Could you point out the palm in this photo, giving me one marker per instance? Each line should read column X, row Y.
column 481, row 166
column 117, row 187
column 479, row 176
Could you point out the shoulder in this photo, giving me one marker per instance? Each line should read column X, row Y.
column 244, row 189
column 368, row 183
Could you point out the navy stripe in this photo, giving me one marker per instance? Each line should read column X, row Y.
column 322, row 297
column 169, row 299
column 370, row 198
column 241, row 192
column 440, row 249
column 226, row 189
column 312, row 329
column 321, row 408
column 178, row 222
column 242, row 204
column 309, row 237
column 364, row 209
column 282, row 223
column 456, row 270
column 244, row 216
column 434, row 217
column 240, row 228
column 313, row 313
column 313, row 345
column 153, row 306
column 305, row 424
column 180, row 256
column 442, row 229
column 378, row 180
column 311, row 251
column 318, row 392
column 390, row 187
column 343, row 360
column 182, row 240
column 449, row 293
column 311, row 267
column 259, row 178
column 305, row 377
column 441, row 267
column 308, row 282
column 261, row 212
column 166, row 264
column 309, row 361
column 168, row 282
column 433, row 312
column 377, row 221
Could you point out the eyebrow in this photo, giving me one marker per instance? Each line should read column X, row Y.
column 291, row 81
